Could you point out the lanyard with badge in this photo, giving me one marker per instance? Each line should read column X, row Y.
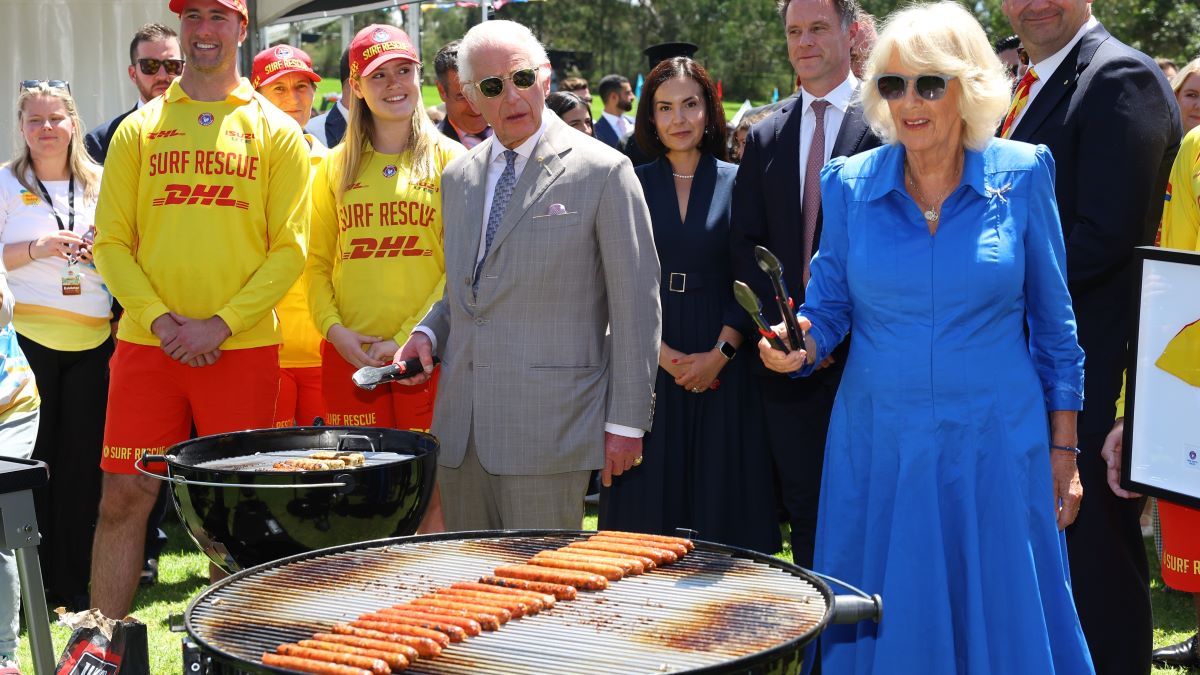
column 71, row 283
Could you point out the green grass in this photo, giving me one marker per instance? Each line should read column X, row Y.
column 183, row 573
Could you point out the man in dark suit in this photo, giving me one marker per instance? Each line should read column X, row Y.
column 1109, row 118
column 614, row 125
column 330, row 127
column 776, row 204
column 154, row 60
column 461, row 124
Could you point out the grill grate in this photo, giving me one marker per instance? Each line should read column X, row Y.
column 264, row 461
column 711, row 607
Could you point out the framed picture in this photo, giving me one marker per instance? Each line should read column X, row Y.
column 1162, row 403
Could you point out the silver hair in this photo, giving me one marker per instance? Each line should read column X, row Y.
column 496, row 33
column 941, row 38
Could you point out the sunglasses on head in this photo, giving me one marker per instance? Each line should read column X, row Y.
column 151, row 66
column 491, row 87
column 929, row 87
column 53, row 84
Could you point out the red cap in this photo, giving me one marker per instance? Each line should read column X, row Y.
column 238, row 6
column 377, row 44
column 274, row 62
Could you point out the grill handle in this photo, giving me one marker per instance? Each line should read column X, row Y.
column 853, row 608
column 346, row 483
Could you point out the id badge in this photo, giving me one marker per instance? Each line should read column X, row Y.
column 71, row 283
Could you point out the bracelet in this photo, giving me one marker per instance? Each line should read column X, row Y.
column 1066, row 448
column 29, row 250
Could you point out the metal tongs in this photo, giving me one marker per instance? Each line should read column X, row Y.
column 768, row 263
column 368, row 377
column 753, row 306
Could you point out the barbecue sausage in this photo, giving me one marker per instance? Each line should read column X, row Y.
column 559, row 591
column 309, row 666
column 395, row 661
column 502, row 615
column 486, row 621
column 426, row 647
column 678, row 549
column 375, row 666
column 546, row 599
column 470, row 626
column 686, row 543
column 647, row 563
column 518, row 606
column 409, row 653
column 610, row 572
column 455, row 632
column 403, row 629
column 628, row 566
column 583, row 580
column 658, row 555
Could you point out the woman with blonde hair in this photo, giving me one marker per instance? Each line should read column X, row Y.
column 375, row 262
column 48, row 199
column 1187, row 93
column 950, row 465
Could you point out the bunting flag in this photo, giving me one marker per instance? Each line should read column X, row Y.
column 775, row 95
column 720, row 92
column 637, row 91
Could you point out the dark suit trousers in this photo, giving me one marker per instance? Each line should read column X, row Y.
column 797, row 420
column 1110, row 577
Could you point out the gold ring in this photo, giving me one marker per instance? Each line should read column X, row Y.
column 637, row 462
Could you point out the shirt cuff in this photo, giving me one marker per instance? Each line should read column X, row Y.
column 620, row 429
column 426, row 331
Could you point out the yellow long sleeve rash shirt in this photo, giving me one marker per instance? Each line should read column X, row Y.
column 375, row 262
column 301, row 346
column 201, row 212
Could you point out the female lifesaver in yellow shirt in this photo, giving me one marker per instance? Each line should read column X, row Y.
column 375, row 262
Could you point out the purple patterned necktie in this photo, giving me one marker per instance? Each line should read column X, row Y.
column 812, row 181
column 504, row 190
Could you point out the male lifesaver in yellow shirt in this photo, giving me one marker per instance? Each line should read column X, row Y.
column 198, row 226
column 284, row 76
column 375, row 262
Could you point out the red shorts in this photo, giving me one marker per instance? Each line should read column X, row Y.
column 300, row 398
column 153, row 399
column 1180, row 546
column 390, row 405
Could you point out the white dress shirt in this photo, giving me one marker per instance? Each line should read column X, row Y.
column 839, row 101
column 1045, row 69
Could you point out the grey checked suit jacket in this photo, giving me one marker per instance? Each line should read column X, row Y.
column 527, row 365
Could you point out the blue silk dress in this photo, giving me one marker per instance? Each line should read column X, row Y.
column 937, row 492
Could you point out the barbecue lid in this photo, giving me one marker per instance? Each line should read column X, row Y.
column 719, row 608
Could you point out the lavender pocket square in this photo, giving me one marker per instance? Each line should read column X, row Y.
column 556, row 210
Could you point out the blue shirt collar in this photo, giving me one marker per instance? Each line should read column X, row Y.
column 889, row 175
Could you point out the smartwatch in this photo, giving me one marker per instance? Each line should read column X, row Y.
column 727, row 350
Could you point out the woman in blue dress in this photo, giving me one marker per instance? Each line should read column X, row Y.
column 705, row 464
column 950, row 464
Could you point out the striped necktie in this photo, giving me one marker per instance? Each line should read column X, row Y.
column 1020, row 98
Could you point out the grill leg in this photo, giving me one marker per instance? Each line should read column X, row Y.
column 36, row 616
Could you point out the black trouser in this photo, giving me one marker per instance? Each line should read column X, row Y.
column 797, row 421
column 1110, row 576
column 74, row 391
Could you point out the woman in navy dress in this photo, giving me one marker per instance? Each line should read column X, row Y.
column 950, row 463
column 705, row 465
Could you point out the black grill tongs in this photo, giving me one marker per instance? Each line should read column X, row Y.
column 768, row 263
column 753, row 306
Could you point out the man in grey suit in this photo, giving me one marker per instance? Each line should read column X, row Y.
column 550, row 323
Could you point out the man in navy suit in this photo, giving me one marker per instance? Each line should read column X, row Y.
column 769, row 210
column 1108, row 116
column 614, row 125
column 461, row 124
column 154, row 61
column 330, row 127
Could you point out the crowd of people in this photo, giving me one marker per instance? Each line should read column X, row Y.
column 955, row 217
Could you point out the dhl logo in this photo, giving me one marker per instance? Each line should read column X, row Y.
column 204, row 195
column 239, row 135
column 388, row 247
column 165, row 133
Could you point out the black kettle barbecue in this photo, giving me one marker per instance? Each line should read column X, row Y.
column 242, row 513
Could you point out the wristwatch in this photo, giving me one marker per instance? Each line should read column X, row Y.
column 727, row 350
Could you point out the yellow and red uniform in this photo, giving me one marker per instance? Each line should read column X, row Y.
column 201, row 211
column 300, row 398
column 376, row 266
column 1179, row 229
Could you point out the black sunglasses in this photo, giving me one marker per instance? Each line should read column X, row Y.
column 929, row 87
column 53, row 84
column 491, row 87
column 151, row 66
